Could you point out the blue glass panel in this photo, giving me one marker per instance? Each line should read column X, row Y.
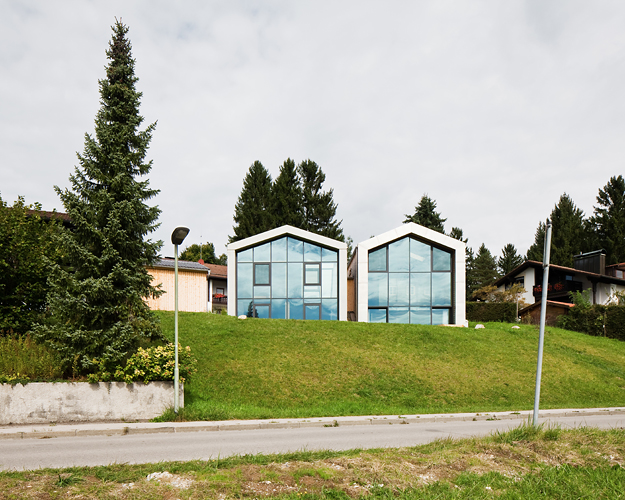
column 398, row 289
column 262, row 292
column 312, row 311
column 245, row 276
column 419, row 257
column 329, row 255
column 278, row 250
column 278, row 279
column 245, row 256
column 278, row 308
column 399, row 256
column 329, row 280
column 296, row 250
column 377, row 315
column 441, row 260
column 296, row 280
column 378, row 289
column 312, row 253
column 398, row 315
column 245, row 307
column 262, row 253
column 420, row 289
column 296, row 309
column 440, row 316
column 420, row 316
column 312, row 292
column 261, row 274
column 377, row 260
column 261, row 311
column 441, row 289
column 312, row 275
column 329, row 309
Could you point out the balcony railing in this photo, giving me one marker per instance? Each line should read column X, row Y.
column 559, row 288
column 220, row 299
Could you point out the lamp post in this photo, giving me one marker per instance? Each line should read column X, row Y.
column 177, row 237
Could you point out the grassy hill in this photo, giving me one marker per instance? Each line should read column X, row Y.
column 258, row 368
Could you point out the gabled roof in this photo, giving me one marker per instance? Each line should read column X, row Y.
column 301, row 234
column 412, row 229
column 599, row 278
column 549, row 303
column 217, row 271
column 183, row 265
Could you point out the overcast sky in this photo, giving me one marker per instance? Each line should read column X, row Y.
column 492, row 108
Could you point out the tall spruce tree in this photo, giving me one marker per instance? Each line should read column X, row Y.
column 535, row 251
column 426, row 215
column 483, row 269
column 608, row 220
column 254, row 208
column 96, row 301
column 509, row 259
column 318, row 206
column 287, row 197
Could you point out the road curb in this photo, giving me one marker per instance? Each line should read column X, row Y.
column 124, row 428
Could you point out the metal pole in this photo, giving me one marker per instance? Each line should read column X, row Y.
column 543, row 315
column 176, row 395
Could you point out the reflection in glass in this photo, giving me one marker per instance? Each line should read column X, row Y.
column 245, row 273
column 377, row 315
column 420, row 316
column 378, row 289
column 278, row 308
column 262, row 253
column 311, row 274
column 399, row 256
column 296, row 309
column 261, row 311
column 245, row 255
column 398, row 289
column 398, row 315
column 441, row 289
column 419, row 257
column 296, row 280
column 312, row 292
column 328, row 309
column 312, row 253
column 296, row 250
column 420, row 289
column 312, row 311
column 278, row 279
column 329, row 255
column 244, row 306
column 441, row 260
column 440, row 316
column 278, row 250
column 377, row 260
column 261, row 274
column 262, row 292
column 329, row 280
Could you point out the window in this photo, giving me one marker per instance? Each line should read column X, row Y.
column 410, row 281
column 287, row 278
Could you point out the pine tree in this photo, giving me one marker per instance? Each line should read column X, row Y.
column 253, row 211
column 318, row 206
column 287, row 197
column 483, row 269
column 509, row 259
column 426, row 215
column 457, row 234
column 97, row 306
column 608, row 221
column 536, row 249
column 206, row 252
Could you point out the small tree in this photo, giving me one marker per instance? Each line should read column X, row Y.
column 98, row 312
column 253, row 211
column 206, row 252
column 426, row 215
column 509, row 259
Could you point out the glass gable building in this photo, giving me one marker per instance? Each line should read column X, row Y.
column 288, row 273
column 409, row 275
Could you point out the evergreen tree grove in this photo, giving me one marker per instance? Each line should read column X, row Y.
column 206, row 252
column 253, row 211
column 608, row 220
column 483, row 270
column 96, row 299
column 426, row 215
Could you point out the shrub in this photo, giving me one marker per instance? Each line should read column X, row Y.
column 491, row 311
column 21, row 358
column 597, row 320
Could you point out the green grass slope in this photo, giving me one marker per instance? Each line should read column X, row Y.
column 258, row 368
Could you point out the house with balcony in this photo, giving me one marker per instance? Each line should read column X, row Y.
column 217, row 287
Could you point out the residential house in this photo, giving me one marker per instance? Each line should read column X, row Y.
column 217, row 287
column 192, row 288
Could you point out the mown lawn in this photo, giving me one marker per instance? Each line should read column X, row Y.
column 258, row 368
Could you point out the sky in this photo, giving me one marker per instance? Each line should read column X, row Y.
column 493, row 109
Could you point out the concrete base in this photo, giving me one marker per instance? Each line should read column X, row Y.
column 42, row 402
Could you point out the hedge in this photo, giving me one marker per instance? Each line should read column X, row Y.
column 491, row 311
column 597, row 320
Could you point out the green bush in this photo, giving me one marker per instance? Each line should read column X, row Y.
column 597, row 320
column 491, row 311
column 145, row 365
column 21, row 358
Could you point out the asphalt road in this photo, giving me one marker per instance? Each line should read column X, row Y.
column 56, row 451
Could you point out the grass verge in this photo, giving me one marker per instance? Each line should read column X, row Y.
column 286, row 368
column 522, row 463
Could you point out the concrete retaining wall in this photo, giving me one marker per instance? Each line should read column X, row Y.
column 42, row 402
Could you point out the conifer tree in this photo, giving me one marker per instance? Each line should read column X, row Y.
column 96, row 301
column 483, row 269
column 318, row 206
column 287, row 197
column 509, row 259
column 426, row 215
column 535, row 251
column 253, row 211
column 608, row 220
column 457, row 234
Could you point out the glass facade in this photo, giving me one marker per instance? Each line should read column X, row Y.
column 288, row 278
column 410, row 282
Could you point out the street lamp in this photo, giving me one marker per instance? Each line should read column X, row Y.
column 177, row 237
